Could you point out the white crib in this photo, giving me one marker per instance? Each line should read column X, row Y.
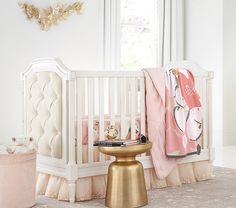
column 60, row 105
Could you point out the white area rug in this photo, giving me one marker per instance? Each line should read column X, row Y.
column 219, row 192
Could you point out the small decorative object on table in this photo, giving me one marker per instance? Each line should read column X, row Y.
column 116, row 143
column 111, row 132
column 121, row 142
column 143, row 139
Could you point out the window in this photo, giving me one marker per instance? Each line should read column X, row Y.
column 141, row 33
column 138, row 34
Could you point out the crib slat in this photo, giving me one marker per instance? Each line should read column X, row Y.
column 142, row 106
column 64, row 121
column 90, row 118
column 199, row 86
column 133, row 110
column 209, row 113
column 111, row 103
column 80, row 107
column 118, row 87
column 122, row 108
column 136, row 93
column 111, row 100
column 83, row 95
column 72, row 90
column 204, row 113
column 101, row 114
column 127, row 96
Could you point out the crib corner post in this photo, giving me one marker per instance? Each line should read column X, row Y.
column 72, row 191
column 71, row 165
column 71, row 178
column 72, row 118
column 210, row 114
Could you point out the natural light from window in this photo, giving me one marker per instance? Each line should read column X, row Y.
column 139, row 25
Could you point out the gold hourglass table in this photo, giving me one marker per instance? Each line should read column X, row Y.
column 125, row 182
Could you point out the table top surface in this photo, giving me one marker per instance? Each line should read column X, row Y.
column 126, row 151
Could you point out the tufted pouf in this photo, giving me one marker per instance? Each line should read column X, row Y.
column 17, row 180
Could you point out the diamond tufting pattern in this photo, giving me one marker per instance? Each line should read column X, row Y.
column 44, row 112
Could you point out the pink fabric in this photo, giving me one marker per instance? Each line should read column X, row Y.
column 106, row 125
column 183, row 113
column 17, row 180
column 187, row 86
column 155, row 109
column 174, row 120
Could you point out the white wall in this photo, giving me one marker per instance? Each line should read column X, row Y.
column 229, row 72
column 203, row 44
column 75, row 41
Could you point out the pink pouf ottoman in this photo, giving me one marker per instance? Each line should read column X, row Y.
column 17, row 180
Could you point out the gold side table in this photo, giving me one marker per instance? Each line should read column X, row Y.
column 125, row 183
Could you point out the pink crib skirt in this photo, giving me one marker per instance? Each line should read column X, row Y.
column 17, row 180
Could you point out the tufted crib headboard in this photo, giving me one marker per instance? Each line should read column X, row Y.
column 44, row 116
column 45, row 112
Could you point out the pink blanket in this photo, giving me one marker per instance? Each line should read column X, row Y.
column 173, row 116
column 183, row 114
column 155, row 109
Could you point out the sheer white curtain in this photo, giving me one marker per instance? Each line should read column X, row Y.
column 109, row 27
column 170, row 42
column 171, row 31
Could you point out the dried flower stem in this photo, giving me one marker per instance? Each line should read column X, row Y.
column 50, row 16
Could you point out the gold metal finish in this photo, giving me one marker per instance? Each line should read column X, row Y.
column 125, row 184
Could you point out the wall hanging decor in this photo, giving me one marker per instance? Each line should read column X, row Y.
column 46, row 17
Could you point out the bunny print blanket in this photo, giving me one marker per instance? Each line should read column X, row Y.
column 183, row 113
column 174, row 121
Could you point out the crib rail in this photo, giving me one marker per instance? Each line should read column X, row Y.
column 118, row 96
column 107, row 97
column 108, row 74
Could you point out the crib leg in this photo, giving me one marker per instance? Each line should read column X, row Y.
column 72, row 187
